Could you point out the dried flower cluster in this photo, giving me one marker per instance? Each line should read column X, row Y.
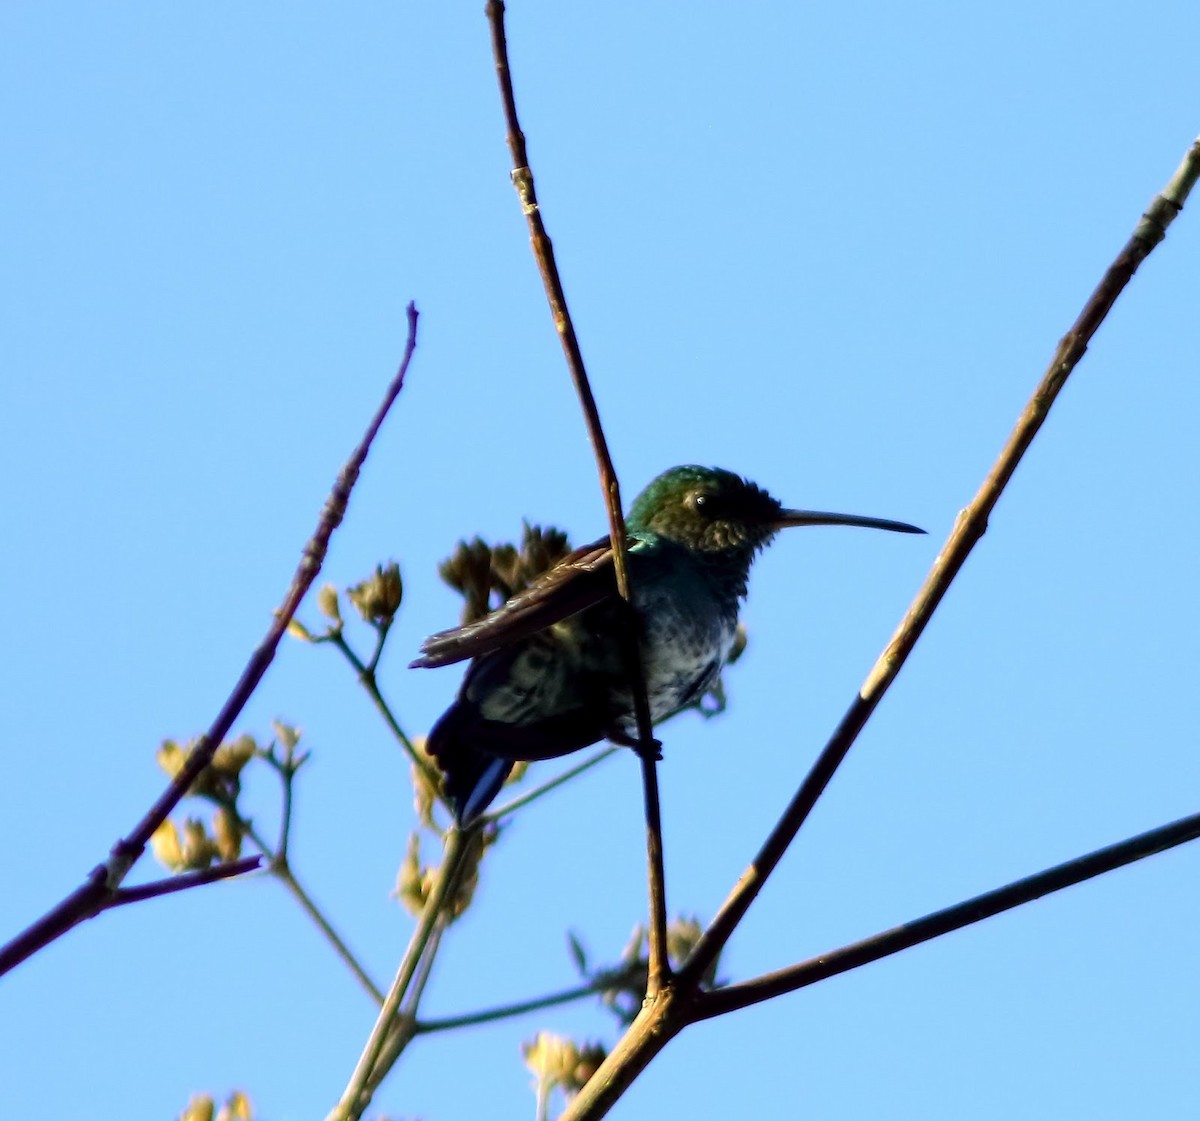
column 488, row 575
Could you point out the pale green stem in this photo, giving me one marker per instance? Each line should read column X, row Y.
column 356, row 1096
column 545, row 788
column 366, row 678
column 507, row 1011
column 405, row 1026
column 543, row 1099
column 279, row 868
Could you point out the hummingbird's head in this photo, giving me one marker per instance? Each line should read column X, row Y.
column 707, row 509
column 716, row 511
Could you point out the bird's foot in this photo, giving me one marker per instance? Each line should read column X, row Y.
column 651, row 750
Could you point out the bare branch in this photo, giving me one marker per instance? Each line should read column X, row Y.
column 543, row 251
column 682, row 1002
column 184, row 881
column 733, row 997
column 100, row 888
column 968, row 529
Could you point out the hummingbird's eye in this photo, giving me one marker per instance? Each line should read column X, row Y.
column 703, row 503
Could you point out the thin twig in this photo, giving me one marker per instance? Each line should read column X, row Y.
column 543, row 251
column 97, row 893
column 381, row 633
column 367, row 679
column 277, row 865
column 518, row 1008
column 286, row 770
column 968, row 529
column 287, row 877
column 523, row 800
column 733, row 997
column 185, row 880
column 369, row 1071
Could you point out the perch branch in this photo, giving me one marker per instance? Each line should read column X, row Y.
column 733, row 997
column 969, row 527
column 543, row 251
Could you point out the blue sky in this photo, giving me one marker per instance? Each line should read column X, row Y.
column 831, row 247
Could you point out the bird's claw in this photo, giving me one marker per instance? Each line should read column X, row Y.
column 650, row 750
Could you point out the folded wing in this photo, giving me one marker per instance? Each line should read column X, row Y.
column 582, row 579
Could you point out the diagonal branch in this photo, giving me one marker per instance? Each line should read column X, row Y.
column 543, row 251
column 968, row 529
column 683, row 1001
column 368, row 680
column 278, row 866
column 103, row 882
column 184, row 880
column 733, row 997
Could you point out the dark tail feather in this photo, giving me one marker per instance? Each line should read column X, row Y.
column 472, row 777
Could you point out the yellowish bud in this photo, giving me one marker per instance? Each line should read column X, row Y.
column 198, row 848
column 164, row 843
column 287, row 735
column 236, row 1108
column 227, row 834
column 378, row 597
column 412, row 879
column 230, row 758
column 551, row 1058
column 299, row 631
column 200, row 1108
column 327, row 603
column 171, row 757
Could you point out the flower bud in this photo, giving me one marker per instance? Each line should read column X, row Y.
column 198, row 848
column 236, row 1108
column 299, row 631
column 230, row 758
column 200, row 1108
column 378, row 597
column 227, row 834
column 164, row 843
column 327, row 603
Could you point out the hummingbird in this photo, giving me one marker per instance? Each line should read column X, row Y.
column 547, row 676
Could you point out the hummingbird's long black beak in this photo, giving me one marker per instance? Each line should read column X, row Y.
column 819, row 517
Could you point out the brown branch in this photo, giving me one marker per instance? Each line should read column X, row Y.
column 733, row 997
column 682, row 1002
column 184, row 881
column 543, row 252
column 968, row 529
column 103, row 882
